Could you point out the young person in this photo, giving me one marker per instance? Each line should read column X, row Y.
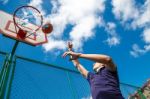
column 104, row 83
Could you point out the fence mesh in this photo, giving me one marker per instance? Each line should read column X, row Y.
column 2, row 59
column 127, row 90
column 36, row 80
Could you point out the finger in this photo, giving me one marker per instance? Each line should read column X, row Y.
column 69, row 44
column 68, row 53
column 65, row 54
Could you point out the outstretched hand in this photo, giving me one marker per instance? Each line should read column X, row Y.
column 71, row 53
column 74, row 58
column 70, row 45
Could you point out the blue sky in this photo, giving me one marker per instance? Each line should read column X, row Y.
column 119, row 28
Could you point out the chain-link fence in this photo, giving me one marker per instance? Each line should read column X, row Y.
column 2, row 59
column 31, row 79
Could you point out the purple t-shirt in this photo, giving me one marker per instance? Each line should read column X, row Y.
column 104, row 84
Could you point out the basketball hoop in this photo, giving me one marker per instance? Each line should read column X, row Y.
column 23, row 17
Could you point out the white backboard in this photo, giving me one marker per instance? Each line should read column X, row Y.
column 7, row 28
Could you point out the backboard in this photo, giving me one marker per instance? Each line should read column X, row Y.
column 7, row 28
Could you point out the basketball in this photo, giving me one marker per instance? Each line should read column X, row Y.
column 47, row 28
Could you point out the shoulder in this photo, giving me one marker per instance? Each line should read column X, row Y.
column 110, row 64
column 90, row 76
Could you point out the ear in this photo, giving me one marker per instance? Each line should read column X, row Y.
column 111, row 65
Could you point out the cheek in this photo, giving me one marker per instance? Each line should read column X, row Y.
column 95, row 66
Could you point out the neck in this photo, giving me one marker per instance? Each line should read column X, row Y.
column 97, row 69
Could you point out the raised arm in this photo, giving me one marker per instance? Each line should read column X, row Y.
column 96, row 57
column 93, row 57
column 80, row 68
column 74, row 59
column 100, row 58
column 76, row 63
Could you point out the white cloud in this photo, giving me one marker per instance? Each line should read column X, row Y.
column 4, row 1
column 54, row 44
column 124, row 9
column 111, row 25
column 113, row 41
column 82, row 15
column 38, row 5
column 83, row 31
column 137, row 51
column 147, row 47
column 127, row 10
column 134, row 17
column 113, row 38
column 110, row 28
column 143, row 19
column 146, row 35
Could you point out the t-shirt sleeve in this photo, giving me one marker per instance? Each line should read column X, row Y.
column 89, row 77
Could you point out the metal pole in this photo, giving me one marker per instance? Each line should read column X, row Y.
column 5, row 74
column 70, row 85
column 14, row 48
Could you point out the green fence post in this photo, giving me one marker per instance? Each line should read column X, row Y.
column 141, row 94
column 3, row 68
column 70, row 85
column 11, row 78
column 5, row 76
column 6, row 71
